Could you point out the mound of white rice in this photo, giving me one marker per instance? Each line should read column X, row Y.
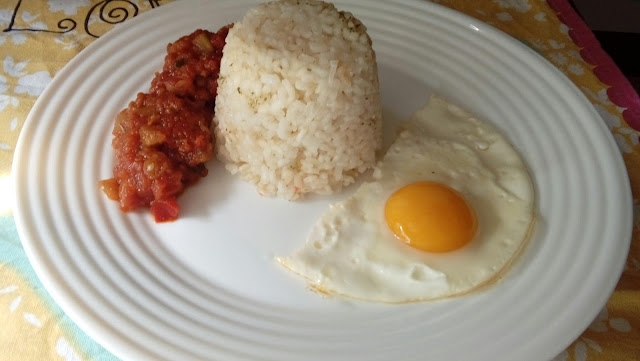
column 298, row 105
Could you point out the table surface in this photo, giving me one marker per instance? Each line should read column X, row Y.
column 38, row 38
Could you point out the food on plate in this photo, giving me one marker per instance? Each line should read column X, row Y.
column 298, row 102
column 298, row 107
column 449, row 207
column 162, row 140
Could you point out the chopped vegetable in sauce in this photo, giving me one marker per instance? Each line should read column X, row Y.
column 162, row 140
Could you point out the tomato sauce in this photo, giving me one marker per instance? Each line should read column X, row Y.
column 162, row 140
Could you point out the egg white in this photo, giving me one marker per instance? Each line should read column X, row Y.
column 352, row 252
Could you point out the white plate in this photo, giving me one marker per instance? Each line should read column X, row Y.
column 206, row 287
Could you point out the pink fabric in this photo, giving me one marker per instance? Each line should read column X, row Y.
column 620, row 91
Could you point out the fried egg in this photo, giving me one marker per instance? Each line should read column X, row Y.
column 448, row 208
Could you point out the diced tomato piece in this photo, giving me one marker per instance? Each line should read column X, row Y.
column 165, row 210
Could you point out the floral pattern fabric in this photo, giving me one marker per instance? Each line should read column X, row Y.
column 37, row 38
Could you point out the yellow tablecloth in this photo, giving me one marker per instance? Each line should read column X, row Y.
column 39, row 37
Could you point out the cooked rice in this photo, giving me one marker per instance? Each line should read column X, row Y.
column 298, row 105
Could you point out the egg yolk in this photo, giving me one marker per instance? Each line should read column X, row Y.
column 430, row 216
